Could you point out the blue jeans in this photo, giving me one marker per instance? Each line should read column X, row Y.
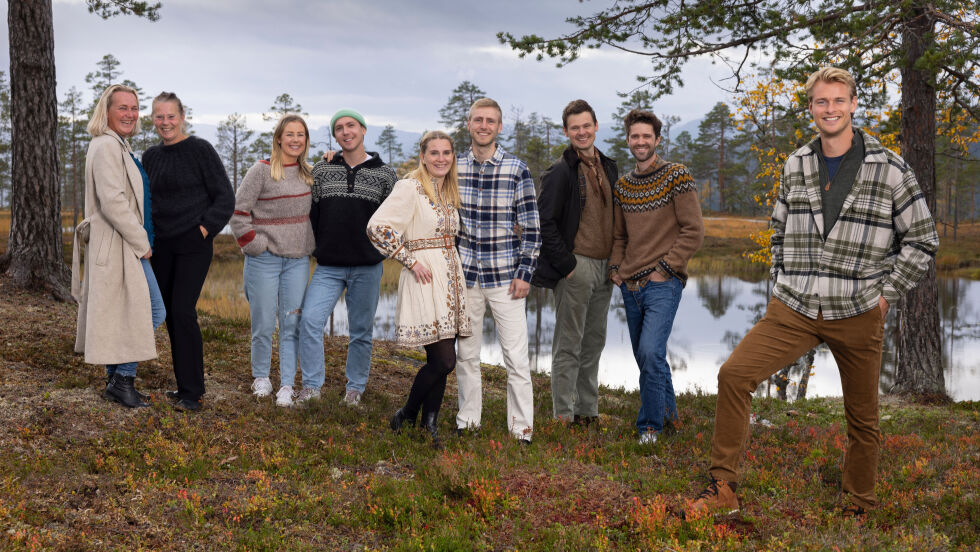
column 274, row 287
column 363, row 285
column 158, row 315
column 650, row 314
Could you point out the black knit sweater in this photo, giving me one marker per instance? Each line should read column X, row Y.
column 344, row 199
column 189, row 186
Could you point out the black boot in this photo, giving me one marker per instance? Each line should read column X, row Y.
column 399, row 419
column 108, row 383
column 121, row 390
column 430, row 423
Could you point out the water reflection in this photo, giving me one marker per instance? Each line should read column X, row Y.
column 715, row 312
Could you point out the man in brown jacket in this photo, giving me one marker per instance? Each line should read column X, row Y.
column 657, row 228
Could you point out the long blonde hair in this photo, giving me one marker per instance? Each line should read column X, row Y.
column 277, row 172
column 451, row 183
column 99, row 123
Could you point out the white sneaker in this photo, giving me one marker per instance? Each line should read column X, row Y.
column 306, row 394
column 648, row 438
column 352, row 398
column 285, row 396
column 261, row 387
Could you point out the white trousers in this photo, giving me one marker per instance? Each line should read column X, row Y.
column 511, row 322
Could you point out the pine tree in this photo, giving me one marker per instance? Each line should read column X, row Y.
column 35, row 257
column 234, row 138
column 5, row 138
column 72, row 138
column 388, row 143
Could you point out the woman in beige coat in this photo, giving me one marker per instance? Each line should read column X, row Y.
column 119, row 303
column 417, row 226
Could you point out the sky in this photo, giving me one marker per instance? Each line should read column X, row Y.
column 395, row 61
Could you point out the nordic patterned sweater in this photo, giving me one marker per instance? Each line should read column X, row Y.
column 273, row 216
column 656, row 223
column 344, row 198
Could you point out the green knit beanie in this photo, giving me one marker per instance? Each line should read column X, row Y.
column 347, row 113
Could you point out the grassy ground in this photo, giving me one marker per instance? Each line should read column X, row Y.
column 78, row 473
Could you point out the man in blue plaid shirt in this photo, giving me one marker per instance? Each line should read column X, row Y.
column 498, row 247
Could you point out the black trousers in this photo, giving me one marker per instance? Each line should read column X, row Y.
column 181, row 264
column 430, row 382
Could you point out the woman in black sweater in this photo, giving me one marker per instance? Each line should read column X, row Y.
column 192, row 201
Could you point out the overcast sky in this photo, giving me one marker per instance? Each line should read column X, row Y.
column 396, row 61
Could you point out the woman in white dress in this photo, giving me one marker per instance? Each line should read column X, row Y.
column 417, row 226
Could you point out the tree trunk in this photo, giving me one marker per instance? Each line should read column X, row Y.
column 35, row 257
column 919, row 370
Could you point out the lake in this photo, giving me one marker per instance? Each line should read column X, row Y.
column 715, row 312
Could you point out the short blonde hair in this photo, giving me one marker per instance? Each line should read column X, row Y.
column 99, row 123
column 830, row 74
column 484, row 102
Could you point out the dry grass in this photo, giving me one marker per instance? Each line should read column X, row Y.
column 78, row 473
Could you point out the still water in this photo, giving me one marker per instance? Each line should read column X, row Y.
column 715, row 312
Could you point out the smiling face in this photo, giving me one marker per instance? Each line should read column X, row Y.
column 438, row 158
column 832, row 105
column 484, row 125
column 293, row 142
column 580, row 130
column 124, row 113
column 168, row 121
column 642, row 141
column 349, row 134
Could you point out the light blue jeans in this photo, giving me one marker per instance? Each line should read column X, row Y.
column 363, row 285
column 650, row 314
column 274, row 287
column 158, row 314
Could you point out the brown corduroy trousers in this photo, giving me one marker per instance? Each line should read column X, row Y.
column 782, row 336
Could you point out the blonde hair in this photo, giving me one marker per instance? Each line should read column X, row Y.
column 830, row 74
column 484, row 102
column 277, row 172
column 99, row 123
column 450, row 184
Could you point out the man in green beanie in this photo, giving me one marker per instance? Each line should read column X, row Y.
column 347, row 190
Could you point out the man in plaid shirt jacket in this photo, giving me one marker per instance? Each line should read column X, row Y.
column 498, row 247
column 851, row 235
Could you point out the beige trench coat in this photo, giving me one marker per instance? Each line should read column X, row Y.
column 114, row 317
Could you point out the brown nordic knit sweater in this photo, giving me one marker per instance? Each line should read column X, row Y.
column 273, row 216
column 656, row 223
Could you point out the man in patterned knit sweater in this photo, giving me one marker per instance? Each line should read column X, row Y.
column 347, row 190
column 657, row 228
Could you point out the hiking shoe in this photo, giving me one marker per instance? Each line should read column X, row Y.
column 307, row 394
column 853, row 511
column 285, row 396
column 648, row 438
column 261, row 387
column 351, row 398
column 719, row 495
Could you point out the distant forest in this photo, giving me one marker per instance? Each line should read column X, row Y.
column 734, row 157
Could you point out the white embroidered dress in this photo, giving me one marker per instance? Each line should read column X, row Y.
column 410, row 228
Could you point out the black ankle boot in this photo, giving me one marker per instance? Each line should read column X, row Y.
column 399, row 419
column 108, row 384
column 121, row 390
column 430, row 423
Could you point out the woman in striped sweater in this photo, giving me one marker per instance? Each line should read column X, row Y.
column 272, row 226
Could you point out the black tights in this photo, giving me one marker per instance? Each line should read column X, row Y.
column 430, row 382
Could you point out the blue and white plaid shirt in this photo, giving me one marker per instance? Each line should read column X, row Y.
column 501, row 233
